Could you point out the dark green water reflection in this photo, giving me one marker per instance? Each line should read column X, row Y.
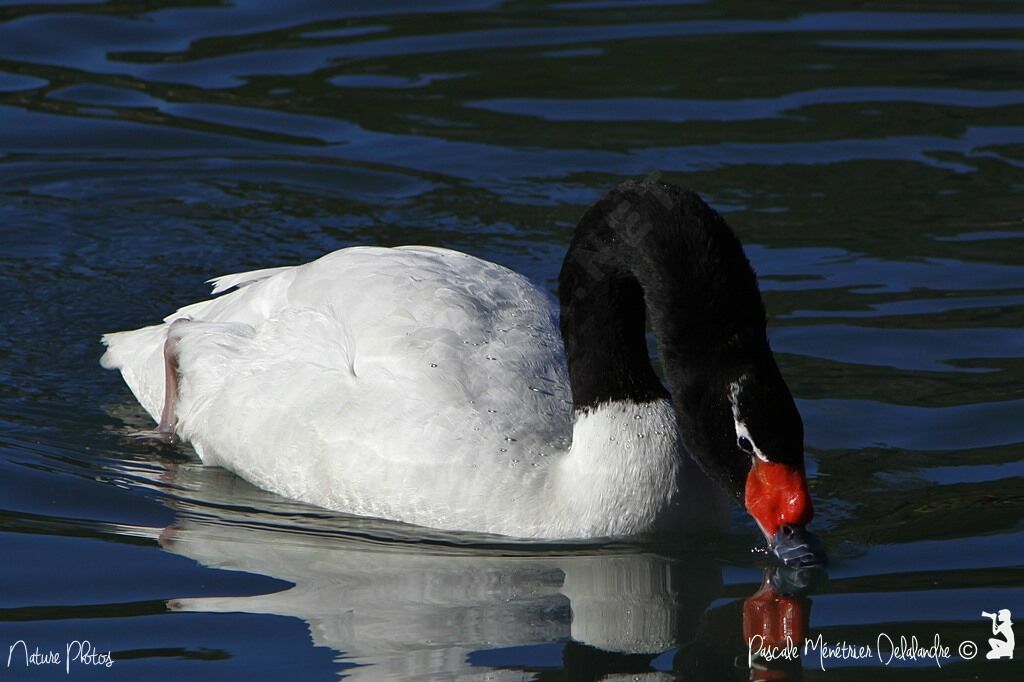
column 871, row 156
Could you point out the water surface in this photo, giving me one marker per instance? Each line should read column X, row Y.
column 871, row 157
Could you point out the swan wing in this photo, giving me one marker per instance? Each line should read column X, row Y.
column 407, row 383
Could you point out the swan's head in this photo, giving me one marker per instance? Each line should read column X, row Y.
column 747, row 434
column 769, row 435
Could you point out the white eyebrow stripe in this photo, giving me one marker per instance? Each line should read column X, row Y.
column 742, row 432
column 741, row 427
column 734, row 395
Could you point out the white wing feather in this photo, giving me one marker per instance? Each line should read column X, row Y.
column 368, row 369
column 241, row 279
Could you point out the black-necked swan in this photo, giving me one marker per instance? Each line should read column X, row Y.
column 429, row 386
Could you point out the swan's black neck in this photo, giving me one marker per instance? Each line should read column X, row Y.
column 651, row 250
column 604, row 331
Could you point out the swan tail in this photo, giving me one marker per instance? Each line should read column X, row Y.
column 138, row 354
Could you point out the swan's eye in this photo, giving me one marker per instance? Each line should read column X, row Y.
column 745, row 445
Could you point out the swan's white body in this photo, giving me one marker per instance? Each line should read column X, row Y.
column 415, row 384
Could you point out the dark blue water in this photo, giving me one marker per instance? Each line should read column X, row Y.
column 871, row 156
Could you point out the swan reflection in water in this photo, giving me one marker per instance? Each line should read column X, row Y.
column 434, row 606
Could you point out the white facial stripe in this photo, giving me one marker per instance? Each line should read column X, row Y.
column 741, row 427
column 734, row 394
column 742, row 432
